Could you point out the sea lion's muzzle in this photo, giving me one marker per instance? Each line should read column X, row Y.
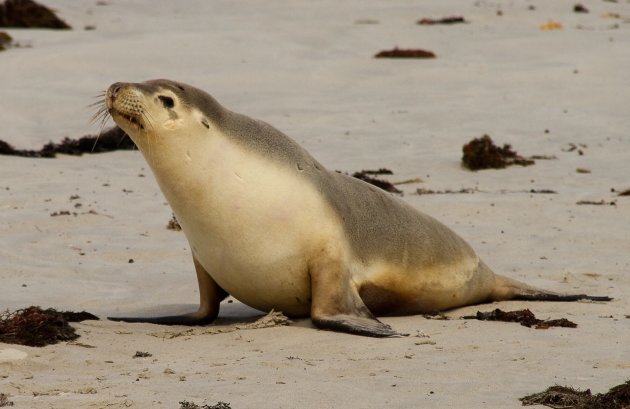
column 124, row 101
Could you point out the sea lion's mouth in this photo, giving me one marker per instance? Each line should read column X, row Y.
column 134, row 120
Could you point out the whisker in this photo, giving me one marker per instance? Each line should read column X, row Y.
column 96, row 141
column 147, row 118
column 100, row 115
column 149, row 124
column 97, row 103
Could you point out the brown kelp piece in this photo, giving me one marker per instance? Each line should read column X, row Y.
column 36, row 327
column 559, row 397
column 524, row 317
column 596, row 202
column 368, row 176
column 29, row 14
column 579, row 8
column 6, row 41
column 566, row 397
column 111, row 140
column 445, row 21
column 4, row 400
column 405, row 53
column 482, row 153
column 173, row 224
column 190, row 405
column 464, row 190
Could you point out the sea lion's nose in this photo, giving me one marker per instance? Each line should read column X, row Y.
column 112, row 93
column 114, row 89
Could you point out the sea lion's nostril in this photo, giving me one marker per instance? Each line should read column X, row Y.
column 114, row 89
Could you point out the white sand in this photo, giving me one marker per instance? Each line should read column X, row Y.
column 307, row 68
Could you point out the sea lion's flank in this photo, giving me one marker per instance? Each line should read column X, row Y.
column 269, row 225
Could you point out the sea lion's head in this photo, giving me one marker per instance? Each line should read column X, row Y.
column 161, row 110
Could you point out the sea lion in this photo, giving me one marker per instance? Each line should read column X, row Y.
column 269, row 225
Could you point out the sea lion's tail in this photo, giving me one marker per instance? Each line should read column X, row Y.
column 509, row 289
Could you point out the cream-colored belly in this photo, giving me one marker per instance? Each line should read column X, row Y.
column 251, row 223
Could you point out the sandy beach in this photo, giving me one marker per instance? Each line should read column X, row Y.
column 308, row 69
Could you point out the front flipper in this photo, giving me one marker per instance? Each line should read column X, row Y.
column 336, row 304
column 210, row 296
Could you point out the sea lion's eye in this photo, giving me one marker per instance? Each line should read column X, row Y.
column 167, row 101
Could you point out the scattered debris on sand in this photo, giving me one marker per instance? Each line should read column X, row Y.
column 367, row 176
column 566, row 397
column 4, row 400
column 173, row 224
column 596, row 202
column 366, row 21
column 35, row 327
column 543, row 157
column 464, row 190
column 29, row 14
column 579, row 8
column 543, row 191
column 272, row 319
column 551, row 25
column 140, row 354
column 444, row 21
column 63, row 213
column 405, row 53
column 189, row 405
column 408, row 181
column 524, row 317
column 111, row 140
column 379, row 171
column 482, row 153
column 572, row 147
column 625, row 192
column 471, row 190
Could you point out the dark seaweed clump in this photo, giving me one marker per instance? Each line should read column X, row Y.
column 190, row 405
column 368, row 176
column 444, row 21
column 405, row 53
column 482, row 153
column 36, row 327
column 524, row 317
column 111, row 140
column 29, row 14
column 566, row 397
column 6, row 41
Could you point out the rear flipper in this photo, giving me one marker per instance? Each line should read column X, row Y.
column 210, row 296
column 508, row 289
column 548, row 296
